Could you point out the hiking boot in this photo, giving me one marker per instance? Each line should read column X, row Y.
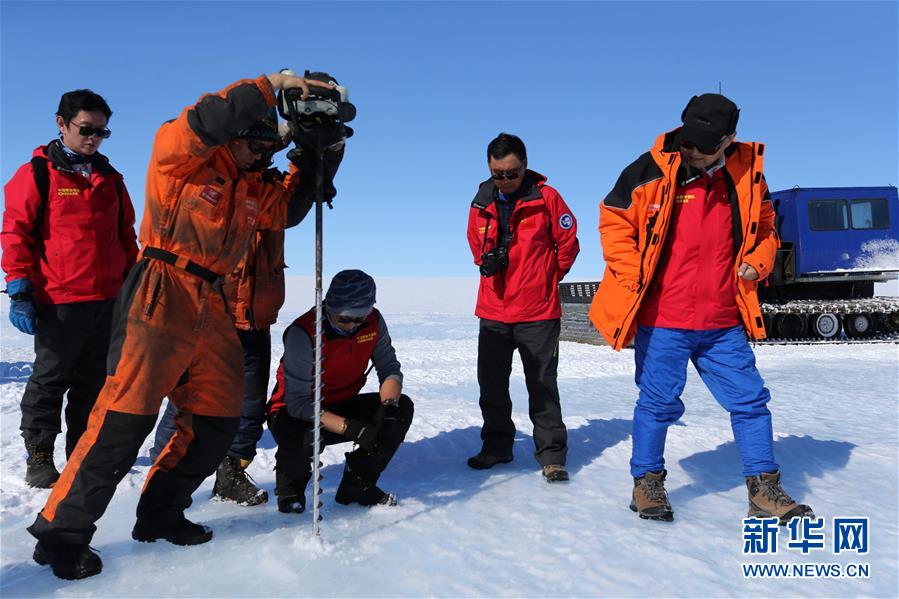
column 292, row 504
column 69, row 562
column 768, row 499
column 232, row 483
column 555, row 473
column 41, row 472
column 353, row 489
column 184, row 532
column 485, row 460
column 650, row 500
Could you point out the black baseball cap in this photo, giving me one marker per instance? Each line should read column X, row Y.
column 708, row 119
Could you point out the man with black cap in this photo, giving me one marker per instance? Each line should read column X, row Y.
column 687, row 234
column 354, row 334
column 172, row 331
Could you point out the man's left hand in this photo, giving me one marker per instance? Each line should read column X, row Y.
column 748, row 272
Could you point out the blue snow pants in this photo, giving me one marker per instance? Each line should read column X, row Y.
column 726, row 364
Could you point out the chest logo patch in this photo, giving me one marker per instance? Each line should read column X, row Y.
column 68, row 191
column 366, row 338
column 566, row 221
column 684, row 198
column 211, row 195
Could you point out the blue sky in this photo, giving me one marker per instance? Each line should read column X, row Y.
column 587, row 85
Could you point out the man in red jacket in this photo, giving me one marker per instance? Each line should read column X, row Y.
column 68, row 242
column 353, row 334
column 524, row 239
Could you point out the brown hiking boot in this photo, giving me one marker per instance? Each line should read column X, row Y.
column 767, row 499
column 650, row 500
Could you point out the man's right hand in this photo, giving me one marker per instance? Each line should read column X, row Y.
column 280, row 81
column 21, row 306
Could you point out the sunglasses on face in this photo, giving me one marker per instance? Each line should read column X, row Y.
column 513, row 173
column 91, row 131
column 258, row 147
column 702, row 149
column 350, row 319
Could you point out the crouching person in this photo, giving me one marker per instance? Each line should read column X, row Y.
column 353, row 334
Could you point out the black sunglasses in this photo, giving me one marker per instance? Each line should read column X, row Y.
column 89, row 131
column 350, row 319
column 259, row 148
column 513, row 173
column 702, row 149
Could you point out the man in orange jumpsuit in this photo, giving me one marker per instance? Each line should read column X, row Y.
column 172, row 330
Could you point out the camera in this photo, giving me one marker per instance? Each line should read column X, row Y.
column 494, row 261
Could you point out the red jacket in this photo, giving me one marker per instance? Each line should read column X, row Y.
column 693, row 287
column 344, row 361
column 542, row 249
column 82, row 245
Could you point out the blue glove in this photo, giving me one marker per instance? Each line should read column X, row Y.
column 21, row 306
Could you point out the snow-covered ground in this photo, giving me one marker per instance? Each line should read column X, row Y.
column 504, row 532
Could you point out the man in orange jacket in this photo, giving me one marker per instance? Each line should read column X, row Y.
column 255, row 293
column 172, row 331
column 687, row 233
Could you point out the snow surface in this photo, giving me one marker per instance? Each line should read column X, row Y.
column 504, row 532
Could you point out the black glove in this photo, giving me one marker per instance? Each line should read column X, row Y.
column 386, row 411
column 494, row 261
column 364, row 434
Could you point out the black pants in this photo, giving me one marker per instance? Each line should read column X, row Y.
column 538, row 345
column 70, row 356
column 257, row 361
column 293, row 460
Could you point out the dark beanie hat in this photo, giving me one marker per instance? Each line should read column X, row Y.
column 708, row 119
column 351, row 293
column 265, row 129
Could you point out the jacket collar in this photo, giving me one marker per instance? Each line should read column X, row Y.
column 56, row 156
column 487, row 193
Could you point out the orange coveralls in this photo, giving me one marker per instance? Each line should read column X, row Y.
column 173, row 334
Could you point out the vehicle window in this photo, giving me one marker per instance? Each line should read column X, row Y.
column 828, row 215
column 870, row 214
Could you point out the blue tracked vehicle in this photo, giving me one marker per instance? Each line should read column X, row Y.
column 836, row 243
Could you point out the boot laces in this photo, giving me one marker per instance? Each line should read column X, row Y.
column 774, row 492
column 244, row 482
column 655, row 489
column 41, row 456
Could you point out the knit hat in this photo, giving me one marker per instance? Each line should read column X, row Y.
column 265, row 129
column 351, row 293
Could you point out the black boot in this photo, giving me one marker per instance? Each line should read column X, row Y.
column 354, row 489
column 485, row 460
column 291, row 498
column 69, row 562
column 41, row 472
column 184, row 532
column 232, row 483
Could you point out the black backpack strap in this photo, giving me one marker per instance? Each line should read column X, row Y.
column 42, row 182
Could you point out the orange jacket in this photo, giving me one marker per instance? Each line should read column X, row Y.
column 199, row 205
column 634, row 220
column 255, row 291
